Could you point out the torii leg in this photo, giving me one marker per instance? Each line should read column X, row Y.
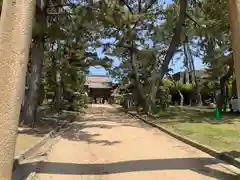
column 15, row 37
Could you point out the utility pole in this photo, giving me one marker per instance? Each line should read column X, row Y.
column 15, row 38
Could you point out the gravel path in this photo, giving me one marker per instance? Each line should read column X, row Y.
column 109, row 145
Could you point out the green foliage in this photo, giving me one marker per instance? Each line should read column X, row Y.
column 66, row 59
column 163, row 97
column 121, row 102
column 168, row 83
column 74, row 33
column 187, row 87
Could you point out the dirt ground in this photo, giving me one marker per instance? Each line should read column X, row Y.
column 105, row 144
column 25, row 141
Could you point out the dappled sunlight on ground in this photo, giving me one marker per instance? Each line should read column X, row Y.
column 110, row 145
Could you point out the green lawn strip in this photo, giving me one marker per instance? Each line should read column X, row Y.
column 177, row 114
column 202, row 127
column 184, row 114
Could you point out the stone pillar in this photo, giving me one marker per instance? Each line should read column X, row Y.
column 234, row 21
column 15, row 37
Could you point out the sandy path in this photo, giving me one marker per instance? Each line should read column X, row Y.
column 108, row 145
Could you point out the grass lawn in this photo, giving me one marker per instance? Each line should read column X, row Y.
column 202, row 127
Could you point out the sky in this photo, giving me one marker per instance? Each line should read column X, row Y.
column 177, row 65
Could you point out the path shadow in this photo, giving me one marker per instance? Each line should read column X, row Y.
column 46, row 124
column 115, row 116
column 81, row 128
column 198, row 165
column 78, row 132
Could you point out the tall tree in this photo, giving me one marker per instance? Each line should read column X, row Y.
column 36, row 62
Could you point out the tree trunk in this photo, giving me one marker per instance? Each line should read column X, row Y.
column 154, row 88
column 181, row 98
column 37, row 55
column 234, row 89
column 139, row 89
column 223, row 81
column 33, row 98
column 25, row 92
column 194, row 77
column 224, row 89
column 222, row 96
column 15, row 38
column 58, row 92
column 152, row 99
column 42, row 93
column 21, row 116
column 227, row 93
column 176, row 37
column 158, row 74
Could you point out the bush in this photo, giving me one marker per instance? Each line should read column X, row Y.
column 121, row 101
column 163, row 97
column 163, row 114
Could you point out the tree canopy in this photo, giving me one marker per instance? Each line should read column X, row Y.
column 143, row 35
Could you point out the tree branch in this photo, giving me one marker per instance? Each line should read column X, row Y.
column 150, row 5
column 139, row 6
column 176, row 37
column 189, row 17
column 124, row 3
column 129, row 8
column 118, row 45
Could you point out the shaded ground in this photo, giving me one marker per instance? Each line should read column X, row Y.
column 108, row 145
column 29, row 136
column 200, row 125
